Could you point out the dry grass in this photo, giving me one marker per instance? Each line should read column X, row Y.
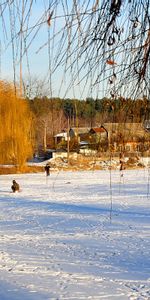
column 15, row 170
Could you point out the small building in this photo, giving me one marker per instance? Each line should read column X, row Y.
column 79, row 132
column 125, row 131
column 99, row 133
column 132, row 146
column 60, row 137
column 128, row 137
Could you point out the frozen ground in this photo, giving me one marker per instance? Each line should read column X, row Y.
column 76, row 236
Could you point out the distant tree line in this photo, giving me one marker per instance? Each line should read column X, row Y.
column 90, row 112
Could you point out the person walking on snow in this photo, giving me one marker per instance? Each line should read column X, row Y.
column 47, row 169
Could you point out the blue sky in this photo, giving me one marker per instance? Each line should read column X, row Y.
column 41, row 57
column 35, row 61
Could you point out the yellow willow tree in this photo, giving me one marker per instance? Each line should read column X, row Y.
column 16, row 130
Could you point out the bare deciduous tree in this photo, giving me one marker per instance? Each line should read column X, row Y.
column 103, row 46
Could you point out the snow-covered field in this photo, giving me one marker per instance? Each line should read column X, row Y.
column 76, row 236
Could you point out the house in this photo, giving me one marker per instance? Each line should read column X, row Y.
column 116, row 137
column 99, row 133
column 80, row 133
column 60, row 137
column 128, row 137
column 132, row 147
column 126, row 130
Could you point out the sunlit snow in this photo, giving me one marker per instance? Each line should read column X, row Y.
column 75, row 235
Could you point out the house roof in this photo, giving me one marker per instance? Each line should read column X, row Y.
column 126, row 128
column 129, row 126
column 61, row 134
column 80, row 130
column 98, row 129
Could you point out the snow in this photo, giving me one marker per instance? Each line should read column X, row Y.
column 75, row 236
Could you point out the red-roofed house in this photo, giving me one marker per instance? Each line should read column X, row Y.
column 99, row 134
